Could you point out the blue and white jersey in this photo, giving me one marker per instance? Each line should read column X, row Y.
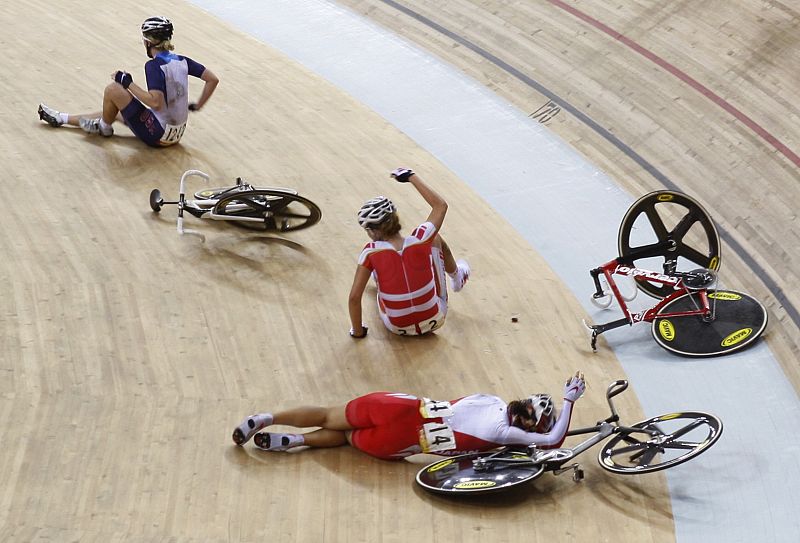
column 169, row 73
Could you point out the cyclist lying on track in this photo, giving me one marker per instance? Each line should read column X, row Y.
column 393, row 426
column 409, row 271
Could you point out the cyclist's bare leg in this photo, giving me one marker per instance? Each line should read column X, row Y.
column 329, row 418
column 115, row 99
column 325, row 438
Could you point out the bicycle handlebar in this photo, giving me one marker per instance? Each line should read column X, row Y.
column 189, row 173
column 182, row 198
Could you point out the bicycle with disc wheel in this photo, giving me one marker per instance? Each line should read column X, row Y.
column 692, row 317
column 651, row 445
column 268, row 209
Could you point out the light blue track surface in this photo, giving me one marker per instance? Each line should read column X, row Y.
column 745, row 489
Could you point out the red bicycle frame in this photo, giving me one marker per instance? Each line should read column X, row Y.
column 676, row 279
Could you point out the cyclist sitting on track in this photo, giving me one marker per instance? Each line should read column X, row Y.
column 393, row 426
column 409, row 271
column 158, row 115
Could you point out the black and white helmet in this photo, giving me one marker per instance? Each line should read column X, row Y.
column 157, row 29
column 544, row 412
column 375, row 211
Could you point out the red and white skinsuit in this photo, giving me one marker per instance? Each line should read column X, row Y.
column 412, row 289
column 387, row 425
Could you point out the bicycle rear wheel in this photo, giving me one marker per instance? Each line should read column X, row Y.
column 457, row 476
column 678, row 437
column 739, row 320
column 278, row 210
column 677, row 227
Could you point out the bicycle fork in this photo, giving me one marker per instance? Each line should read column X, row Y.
column 598, row 329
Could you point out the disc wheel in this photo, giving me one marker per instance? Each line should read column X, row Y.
column 676, row 438
column 279, row 211
column 458, row 476
column 667, row 225
column 738, row 321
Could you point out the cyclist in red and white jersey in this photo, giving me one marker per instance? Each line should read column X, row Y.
column 408, row 270
column 393, row 426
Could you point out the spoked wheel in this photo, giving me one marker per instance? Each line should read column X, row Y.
column 737, row 321
column 278, row 210
column 675, row 438
column 459, row 476
column 667, row 225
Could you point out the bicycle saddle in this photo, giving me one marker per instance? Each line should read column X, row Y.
column 699, row 279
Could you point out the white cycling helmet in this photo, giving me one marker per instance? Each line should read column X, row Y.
column 375, row 212
column 544, row 412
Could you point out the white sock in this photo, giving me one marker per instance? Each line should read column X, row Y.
column 104, row 126
column 64, row 117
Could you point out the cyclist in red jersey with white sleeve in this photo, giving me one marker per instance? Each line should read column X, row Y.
column 393, row 426
column 409, row 271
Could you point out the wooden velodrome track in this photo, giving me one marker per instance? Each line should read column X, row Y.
column 128, row 353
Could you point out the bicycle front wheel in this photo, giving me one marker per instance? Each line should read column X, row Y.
column 738, row 320
column 660, row 442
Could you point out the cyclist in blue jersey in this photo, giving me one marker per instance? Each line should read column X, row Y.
column 158, row 115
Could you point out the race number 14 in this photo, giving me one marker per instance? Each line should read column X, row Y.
column 437, row 437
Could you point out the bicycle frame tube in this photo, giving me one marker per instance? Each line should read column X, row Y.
column 615, row 267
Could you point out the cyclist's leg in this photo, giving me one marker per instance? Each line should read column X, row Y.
column 447, row 254
column 439, row 255
column 143, row 123
column 330, row 418
column 115, row 99
column 325, row 438
column 458, row 270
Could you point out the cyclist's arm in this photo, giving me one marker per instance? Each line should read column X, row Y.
column 360, row 281
column 437, row 203
column 153, row 99
column 211, row 82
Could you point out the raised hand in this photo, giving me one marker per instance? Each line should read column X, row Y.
column 575, row 387
column 402, row 174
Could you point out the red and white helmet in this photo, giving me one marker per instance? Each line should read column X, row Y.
column 544, row 412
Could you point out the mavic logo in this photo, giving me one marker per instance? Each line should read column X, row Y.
column 439, row 465
column 666, row 329
column 732, row 296
column 736, row 337
column 470, row 485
